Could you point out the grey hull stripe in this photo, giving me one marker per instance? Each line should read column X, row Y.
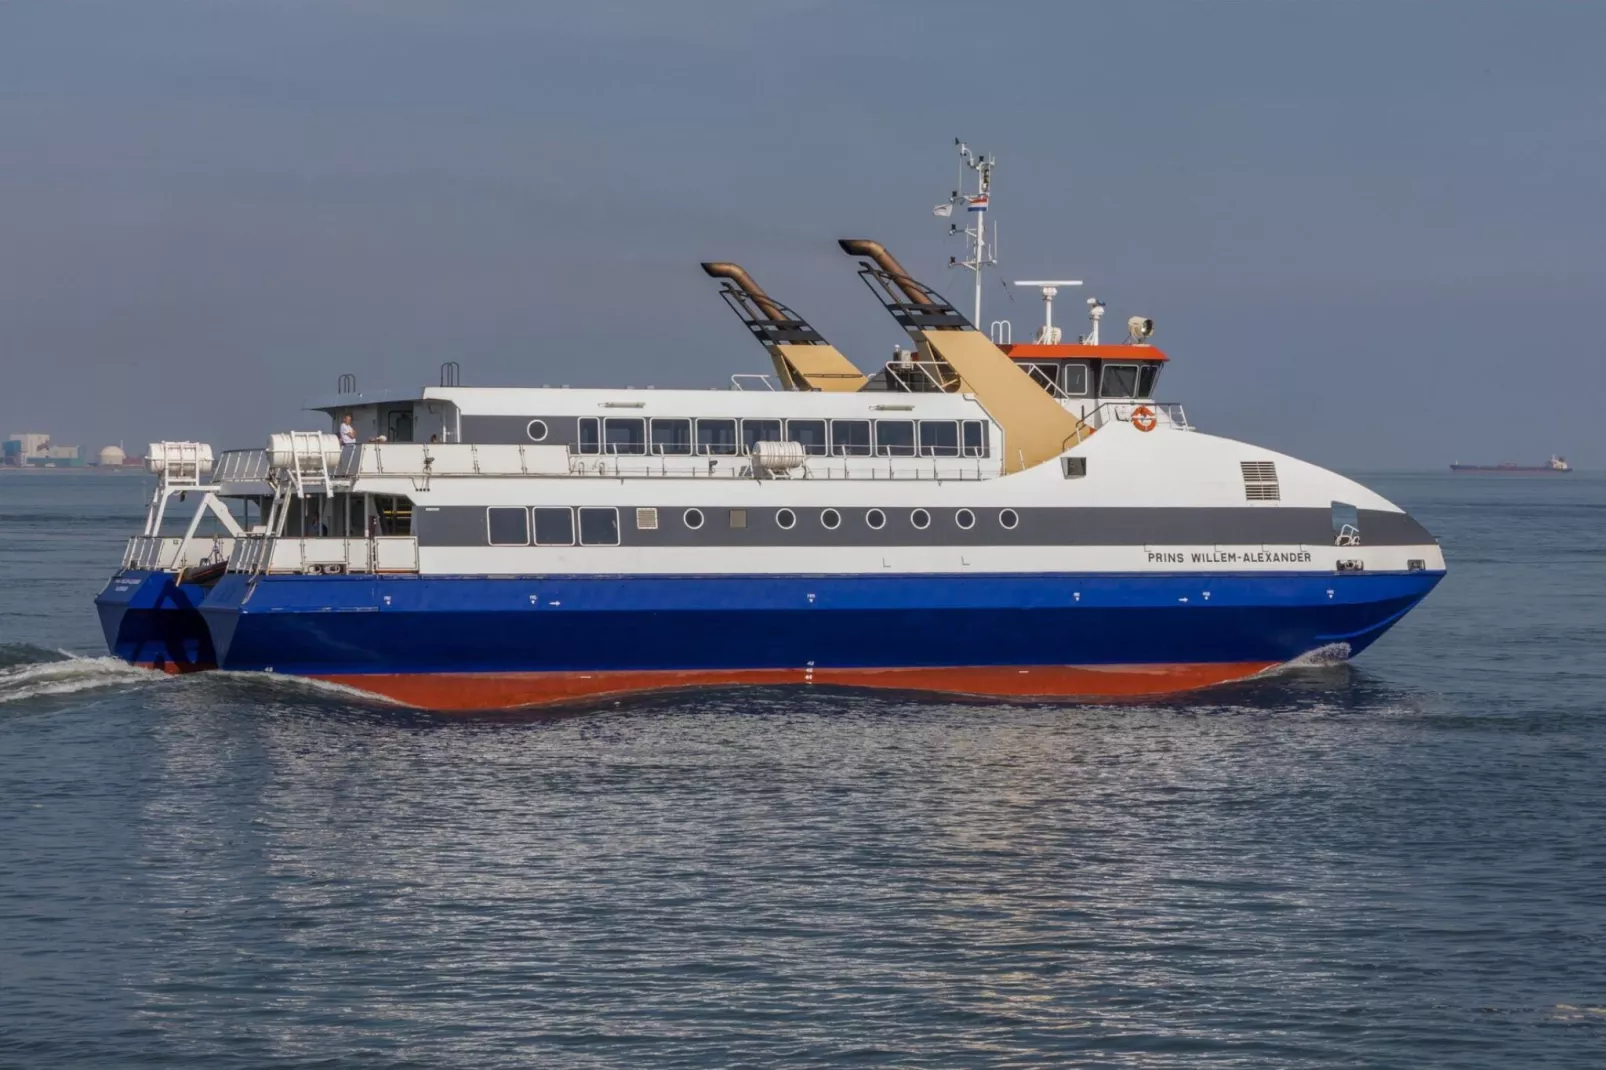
column 1084, row 526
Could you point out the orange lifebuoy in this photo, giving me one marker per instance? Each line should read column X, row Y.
column 1143, row 418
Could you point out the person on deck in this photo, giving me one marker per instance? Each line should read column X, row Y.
column 348, row 434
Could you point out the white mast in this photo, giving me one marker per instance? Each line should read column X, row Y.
column 978, row 253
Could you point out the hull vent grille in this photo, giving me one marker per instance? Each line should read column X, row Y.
column 1260, row 481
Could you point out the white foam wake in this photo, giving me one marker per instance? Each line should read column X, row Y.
column 1321, row 658
column 72, row 673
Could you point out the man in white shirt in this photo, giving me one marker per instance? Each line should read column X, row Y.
column 348, row 434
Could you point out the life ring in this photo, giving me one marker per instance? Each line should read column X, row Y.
column 1143, row 418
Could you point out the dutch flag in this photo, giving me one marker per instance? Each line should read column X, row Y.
column 977, row 203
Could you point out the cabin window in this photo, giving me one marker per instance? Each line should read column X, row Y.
column 785, row 519
column 716, row 437
column 1119, row 381
column 939, row 438
column 876, row 519
column 895, row 438
column 590, row 435
column 508, row 527
column 756, row 431
column 920, row 519
column 536, row 430
column 810, row 434
column 1008, row 519
column 624, row 434
column 1074, row 376
column 1146, row 377
column 599, row 527
column 1044, row 375
column 671, row 437
column 965, row 519
column 554, row 526
column 738, row 518
column 850, row 438
column 692, row 518
column 974, row 441
column 830, row 520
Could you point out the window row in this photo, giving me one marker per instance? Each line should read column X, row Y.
column 819, row 438
column 551, row 526
column 556, row 525
column 1075, row 379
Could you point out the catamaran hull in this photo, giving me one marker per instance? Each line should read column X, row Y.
column 472, row 643
column 151, row 621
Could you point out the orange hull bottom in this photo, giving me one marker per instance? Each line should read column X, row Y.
column 508, row 690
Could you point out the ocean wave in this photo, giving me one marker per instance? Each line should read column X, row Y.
column 33, row 672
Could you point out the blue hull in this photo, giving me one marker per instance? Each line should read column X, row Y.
column 150, row 620
column 354, row 627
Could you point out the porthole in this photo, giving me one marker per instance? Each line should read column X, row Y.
column 965, row 519
column 920, row 519
column 785, row 519
column 831, row 519
column 1009, row 519
column 876, row 519
column 536, row 429
column 693, row 518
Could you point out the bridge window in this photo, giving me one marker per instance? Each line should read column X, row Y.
column 1146, row 377
column 716, row 437
column 895, row 438
column 671, row 437
column 810, row 434
column 590, row 435
column 599, row 527
column 756, row 431
column 939, row 438
column 974, row 438
column 1119, row 381
column 554, row 527
column 508, row 527
column 624, row 434
column 1074, row 376
column 850, row 438
column 1044, row 375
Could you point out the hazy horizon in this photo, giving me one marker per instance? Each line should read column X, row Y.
column 1369, row 234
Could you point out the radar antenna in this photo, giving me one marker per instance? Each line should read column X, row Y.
column 979, row 252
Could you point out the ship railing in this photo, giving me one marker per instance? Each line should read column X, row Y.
column 168, row 553
column 1167, row 412
column 325, row 556
column 425, row 460
column 242, row 466
column 765, row 381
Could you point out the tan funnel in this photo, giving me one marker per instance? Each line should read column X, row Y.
column 1036, row 427
column 803, row 359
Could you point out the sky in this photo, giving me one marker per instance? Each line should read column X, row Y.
column 1369, row 234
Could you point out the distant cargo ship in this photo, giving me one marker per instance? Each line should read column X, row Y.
column 1555, row 466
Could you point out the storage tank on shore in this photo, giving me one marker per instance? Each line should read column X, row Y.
column 112, row 457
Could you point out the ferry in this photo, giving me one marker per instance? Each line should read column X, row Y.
column 977, row 517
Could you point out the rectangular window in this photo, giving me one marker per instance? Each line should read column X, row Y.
column 671, row 437
column 895, row 438
column 755, row 431
column 508, row 527
column 624, row 434
column 716, row 437
column 1118, row 381
column 975, row 438
column 1146, row 378
column 939, row 438
column 1044, row 375
column 850, row 438
column 810, row 434
column 1074, row 378
column 599, row 527
column 554, row 527
column 738, row 518
column 590, row 435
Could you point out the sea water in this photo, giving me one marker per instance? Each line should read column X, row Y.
column 1399, row 861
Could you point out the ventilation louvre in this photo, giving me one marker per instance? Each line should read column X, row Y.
column 647, row 519
column 1260, row 481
